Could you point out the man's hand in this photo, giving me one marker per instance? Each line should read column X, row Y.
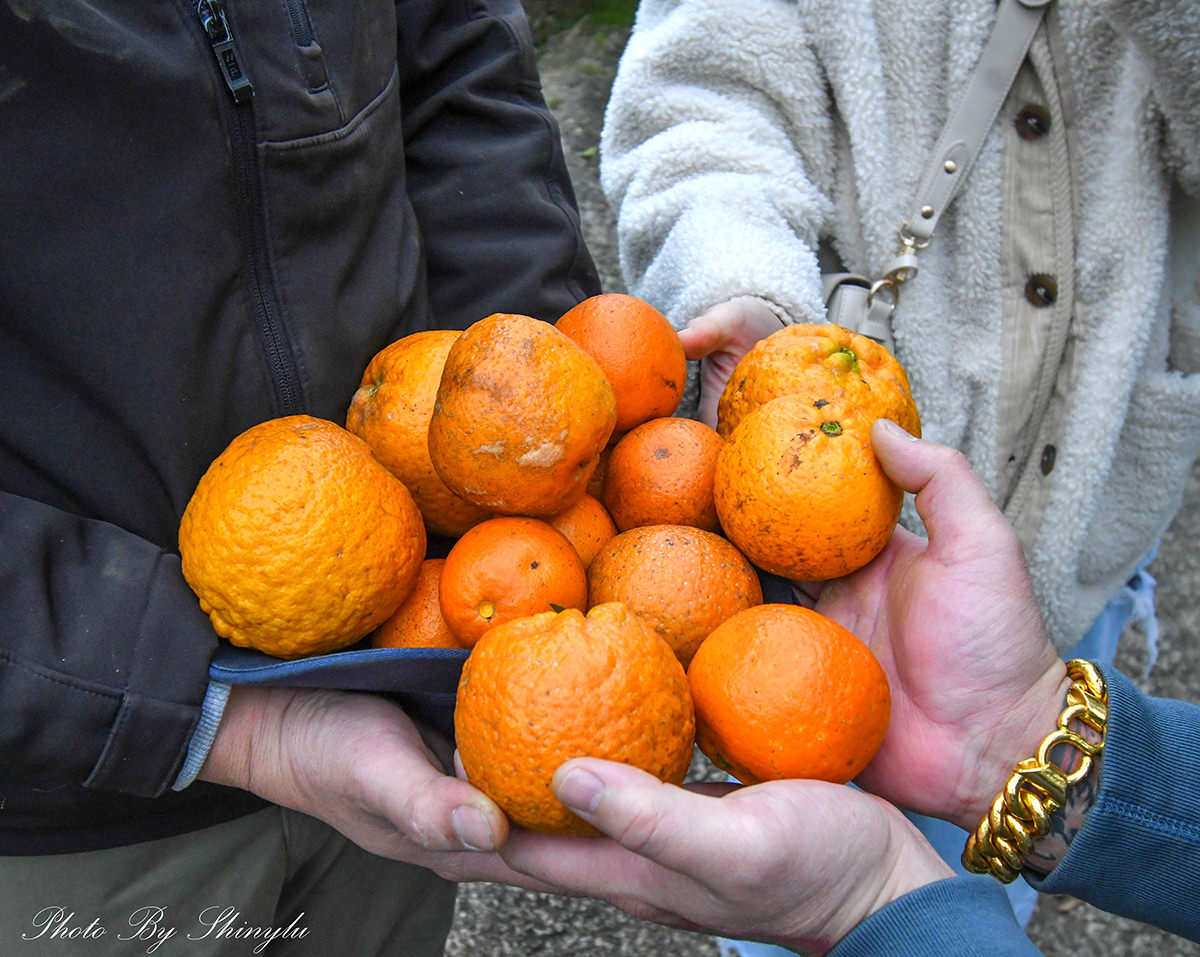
column 975, row 686
column 799, row 863
column 975, row 682
column 357, row 762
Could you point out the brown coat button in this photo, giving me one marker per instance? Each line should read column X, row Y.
column 1032, row 122
column 1041, row 290
column 1049, row 453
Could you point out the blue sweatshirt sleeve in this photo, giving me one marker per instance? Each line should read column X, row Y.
column 1138, row 852
column 957, row 917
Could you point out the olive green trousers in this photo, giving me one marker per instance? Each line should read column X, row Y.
column 274, row 882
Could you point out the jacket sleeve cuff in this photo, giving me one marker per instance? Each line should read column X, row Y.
column 202, row 738
column 1138, row 850
column 955, row 917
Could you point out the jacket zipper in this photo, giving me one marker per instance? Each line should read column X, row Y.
column 301, row 26
column 309, row 54
column 264, row 302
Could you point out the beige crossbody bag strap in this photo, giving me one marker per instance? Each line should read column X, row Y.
column 866, row 305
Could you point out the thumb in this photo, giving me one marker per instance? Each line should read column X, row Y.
column 633, row 807
column 434, row 810
column 951, row 500
column 666, row 824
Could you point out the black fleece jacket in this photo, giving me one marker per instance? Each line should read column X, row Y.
column 211, row 215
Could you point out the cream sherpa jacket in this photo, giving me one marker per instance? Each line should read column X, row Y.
column 742, row 133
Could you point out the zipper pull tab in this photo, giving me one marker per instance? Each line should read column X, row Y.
column 216, row 27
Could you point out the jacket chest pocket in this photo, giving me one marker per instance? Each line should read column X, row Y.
column 311, row 66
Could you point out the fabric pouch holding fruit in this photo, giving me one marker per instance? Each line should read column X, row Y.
column 422, row 681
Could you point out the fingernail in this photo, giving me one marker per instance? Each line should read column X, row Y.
column 895, row 430
column 580, row 790
column 471, row 828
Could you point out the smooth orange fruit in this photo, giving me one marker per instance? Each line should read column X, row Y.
column 826, row 363
column 638, row 350
column 587, row 525
column 784, row 692
column 390, row 411
column 661, row 473
column 297, row 541
column 505, row 568
column 538, row 691
column 798, row 489
column 418, row 622
column 682, row 581
column 521, row 416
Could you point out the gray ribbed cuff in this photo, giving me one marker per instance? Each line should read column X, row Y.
column 202, row 738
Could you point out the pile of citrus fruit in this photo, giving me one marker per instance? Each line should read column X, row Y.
column 603, row 555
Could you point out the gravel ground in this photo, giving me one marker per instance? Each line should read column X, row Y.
column 497, row 921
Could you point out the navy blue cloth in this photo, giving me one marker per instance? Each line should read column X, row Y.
column 1138, row 854
column 423, row 681
column 951, row 918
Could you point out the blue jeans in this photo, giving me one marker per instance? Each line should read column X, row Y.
column 1133, row 603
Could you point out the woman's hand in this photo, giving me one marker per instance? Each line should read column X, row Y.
column 719, row 338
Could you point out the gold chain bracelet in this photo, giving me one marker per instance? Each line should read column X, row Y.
column 1038, row 786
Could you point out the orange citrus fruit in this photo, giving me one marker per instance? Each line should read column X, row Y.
column 661, row 473
column 297, row 541
column 826, row 363
column 508, row 567
column 783, row 692
column 418, row 622
column 390, row 411
column 798, row 489
column 521, row 416
column 682, row 581
column 587, row 525
column 540, row 690
column 638, row 350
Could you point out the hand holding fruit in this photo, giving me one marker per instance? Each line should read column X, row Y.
column 518, row 424
column 975, row 687
column 975, row 682
column 799, row 863
column 359, row 763
column 719, row 338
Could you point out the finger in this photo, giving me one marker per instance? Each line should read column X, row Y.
column 445, row 813
column 706, row 409
column 598, row 866
column 466, row 866
column 672, row 826
column 701, row 337
column 807, row 593
column 432, row 809
column 950, row 498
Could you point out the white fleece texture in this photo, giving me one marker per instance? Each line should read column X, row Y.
column 742, row 132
